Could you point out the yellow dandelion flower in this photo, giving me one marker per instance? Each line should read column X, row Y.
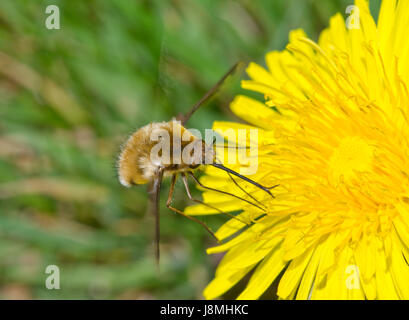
column 337, row 142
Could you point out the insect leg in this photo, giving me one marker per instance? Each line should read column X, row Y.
column 185, row 182
column 169, row 202
column 224, row 192
column 154, row 193
column 242, row 189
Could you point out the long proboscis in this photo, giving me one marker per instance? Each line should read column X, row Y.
column 222, row 167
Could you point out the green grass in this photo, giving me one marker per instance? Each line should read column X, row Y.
column 70, row 97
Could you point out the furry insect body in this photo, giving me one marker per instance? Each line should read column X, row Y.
column 177, row 157
column 139, row 165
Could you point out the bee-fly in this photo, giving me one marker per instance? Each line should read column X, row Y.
column 136, row 165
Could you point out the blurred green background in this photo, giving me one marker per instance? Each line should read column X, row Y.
column 70, row 97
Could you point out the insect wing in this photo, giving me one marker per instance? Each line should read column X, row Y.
column 209, row 94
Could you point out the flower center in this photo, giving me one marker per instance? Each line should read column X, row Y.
column 352, row 157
